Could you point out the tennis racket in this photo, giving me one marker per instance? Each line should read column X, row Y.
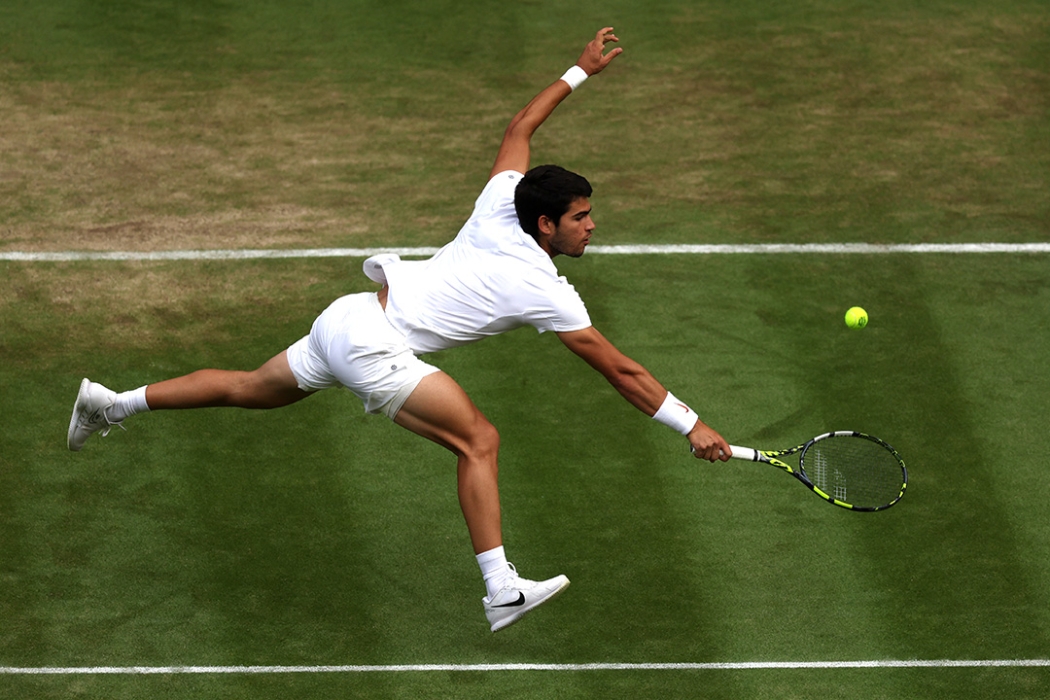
column 848, row 469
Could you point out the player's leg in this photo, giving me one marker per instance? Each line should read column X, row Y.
column 98, row 409
column 270, row 386
column 439, row 410
column 362, row 350
column 289, row 376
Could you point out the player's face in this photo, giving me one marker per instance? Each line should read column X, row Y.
column 573, row 230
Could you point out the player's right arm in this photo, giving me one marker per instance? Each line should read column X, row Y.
column 514, row 150
column 636, row 384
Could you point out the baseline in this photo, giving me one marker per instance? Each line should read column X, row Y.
column 474, row 668
column 714, row 249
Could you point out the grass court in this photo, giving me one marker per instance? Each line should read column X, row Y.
column 317, row 536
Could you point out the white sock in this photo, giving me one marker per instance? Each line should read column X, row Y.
column 128, row 403
column 494, row 569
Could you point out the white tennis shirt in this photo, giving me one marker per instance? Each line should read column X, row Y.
column 493, row 277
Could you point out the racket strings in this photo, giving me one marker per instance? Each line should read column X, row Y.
column 854, row 470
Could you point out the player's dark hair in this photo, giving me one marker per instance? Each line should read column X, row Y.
column 547, row 190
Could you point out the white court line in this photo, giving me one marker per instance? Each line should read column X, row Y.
column 757, row 249
column 489, row 668
column 74, row 256
column 826, row 248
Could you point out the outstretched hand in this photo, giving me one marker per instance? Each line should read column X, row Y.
column 594, row 59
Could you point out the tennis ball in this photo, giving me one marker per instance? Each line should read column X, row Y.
column 856, row 317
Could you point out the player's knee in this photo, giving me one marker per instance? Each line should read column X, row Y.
column 253, row 389
column 484, row 441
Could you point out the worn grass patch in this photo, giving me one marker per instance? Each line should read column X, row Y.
column 719, row 124
column 157, row 166
column 160, row 307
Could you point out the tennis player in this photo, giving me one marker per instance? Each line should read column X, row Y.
column 496, row 275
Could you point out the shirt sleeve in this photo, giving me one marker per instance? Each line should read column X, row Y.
column 498, row 194
column 561, row 309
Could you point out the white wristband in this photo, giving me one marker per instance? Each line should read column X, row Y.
column 675, row 414
column 575, row 77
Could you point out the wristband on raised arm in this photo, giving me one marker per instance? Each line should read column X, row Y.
column 575, row 77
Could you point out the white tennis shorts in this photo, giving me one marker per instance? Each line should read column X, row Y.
column 352, row 343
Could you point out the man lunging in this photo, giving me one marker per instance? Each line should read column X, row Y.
column 496, row 275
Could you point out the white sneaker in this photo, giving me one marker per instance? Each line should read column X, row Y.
column 518, row 596
column 90, row 414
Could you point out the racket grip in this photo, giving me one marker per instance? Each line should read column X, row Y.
column 744, row 453
column 738, row 453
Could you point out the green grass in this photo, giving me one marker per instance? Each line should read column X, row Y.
column 309, row 535
column 302, row 536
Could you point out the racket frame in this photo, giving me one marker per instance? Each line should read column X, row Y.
column 771, row 457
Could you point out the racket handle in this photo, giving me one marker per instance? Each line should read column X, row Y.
column 739, row 453
column 744, row 453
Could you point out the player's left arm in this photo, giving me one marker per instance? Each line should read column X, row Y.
column 514, row 151
column 636, row 384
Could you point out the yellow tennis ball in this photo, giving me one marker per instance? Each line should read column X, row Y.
column 856, row 317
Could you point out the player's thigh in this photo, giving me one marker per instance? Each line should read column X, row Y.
column 273, row 384
column 440, row 410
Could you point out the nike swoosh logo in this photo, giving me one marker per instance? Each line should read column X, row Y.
column 517, row 603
